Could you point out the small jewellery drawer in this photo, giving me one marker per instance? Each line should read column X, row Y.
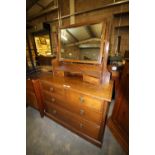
column 85, row 100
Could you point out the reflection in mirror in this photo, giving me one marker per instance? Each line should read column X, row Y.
column 81, row 43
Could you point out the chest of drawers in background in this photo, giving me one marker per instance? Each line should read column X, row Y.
column 33, row 95
column 80, row 111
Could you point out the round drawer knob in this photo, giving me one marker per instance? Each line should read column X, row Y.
column 51, row 89
column 81, row 112
column 81, row 125
column 53, row 99
column 81, row 99
column 54, row 111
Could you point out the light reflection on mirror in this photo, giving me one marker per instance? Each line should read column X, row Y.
column 81, row 43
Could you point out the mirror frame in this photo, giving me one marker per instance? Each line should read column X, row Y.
column 99, row 61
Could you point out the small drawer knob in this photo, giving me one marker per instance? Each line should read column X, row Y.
column 81, row 99
column 51, row 89
column 81, row 112
column 81, row 125
column 53, row 99
column 54, row 112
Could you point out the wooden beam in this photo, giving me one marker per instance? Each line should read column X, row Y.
column 33, row 2
column 52, row 3
column 40, row 5
column 72, row 11
column 43, row 12
column 91, row 10
column 90, row 32
column 72, row 35
column 83, row 41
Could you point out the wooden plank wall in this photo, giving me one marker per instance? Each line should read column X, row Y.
column 81, row 5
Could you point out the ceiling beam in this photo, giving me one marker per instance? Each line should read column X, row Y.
column 84, row 41
column 52, row 3
column 91, row 10
column 90, row 32
column 72, row 35
column 52, row 6
column 40, row 5
column 43, row 12
column 31, row 4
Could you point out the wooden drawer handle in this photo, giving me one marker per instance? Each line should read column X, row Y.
column 53, row 99
column 81, row 112
column 51, row 89
column 54, row 112
column 81, row 125
column 81, row 99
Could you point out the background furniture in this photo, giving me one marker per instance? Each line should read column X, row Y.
column 33, row 95
column 119, row 120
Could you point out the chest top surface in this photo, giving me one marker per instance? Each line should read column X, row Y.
column 103, row 92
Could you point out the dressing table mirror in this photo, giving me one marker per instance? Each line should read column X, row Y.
column 82, row 43
column 83, row 50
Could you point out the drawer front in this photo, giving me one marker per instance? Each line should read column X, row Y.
column 31, row 99
column 85, row 113
column 56, row 111
column 54, row 89
column 81, row 111
column 61, row 101
column 91, row 129
column 73, row 120
column 84, row 100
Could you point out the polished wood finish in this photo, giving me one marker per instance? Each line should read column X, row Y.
column 92, row 72
column 33, row 95
column 31, row 99
column 119, row 120
column 102, row 92
column 91, row 79
column 73, row 120
column 77, row 105
column 78, row 95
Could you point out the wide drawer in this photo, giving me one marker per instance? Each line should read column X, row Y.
column 85, row 100
column 73, row 120
column 73, row 107
column 61, row 101
column 55, row 89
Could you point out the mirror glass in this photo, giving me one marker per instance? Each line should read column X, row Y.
column 81, row 43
